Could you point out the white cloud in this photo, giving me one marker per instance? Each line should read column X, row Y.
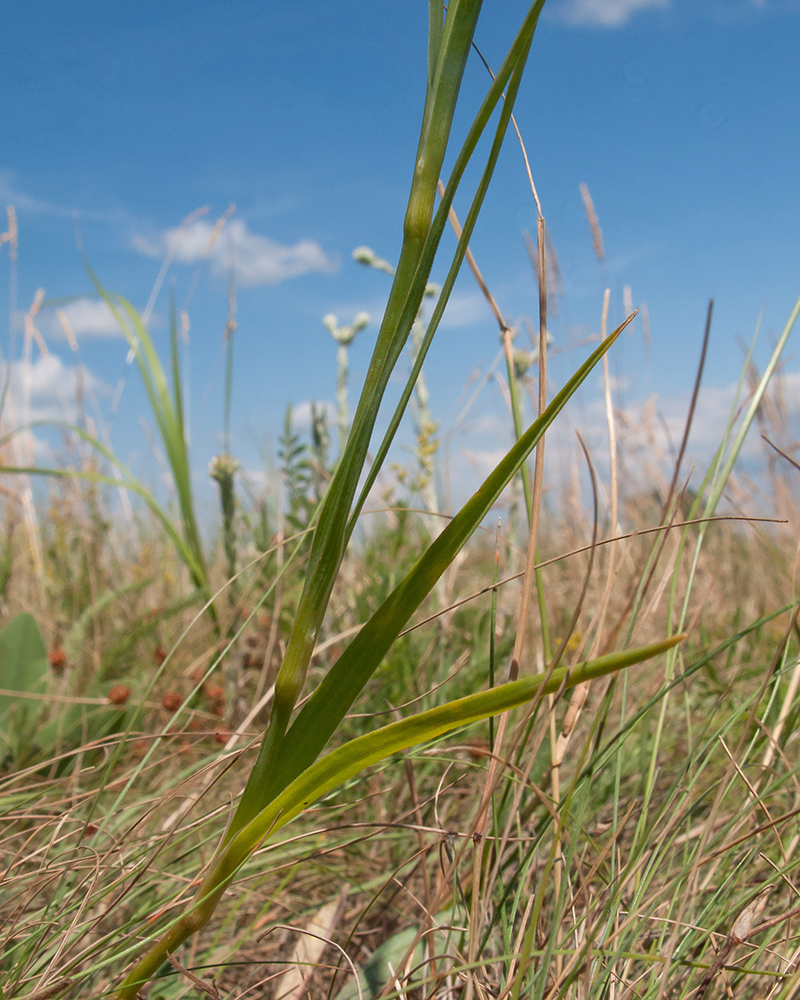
column 649, row 432
column 605, row 13
column 618, row 383
column 492, row 424
column 257, row 260
column 301, row 415
column 148, row 247
column 466, row 309
column 47, row 389
column 12, row 194
column 84, row 317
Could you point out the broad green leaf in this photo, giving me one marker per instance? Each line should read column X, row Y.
column 23, row 660
column 23, row 669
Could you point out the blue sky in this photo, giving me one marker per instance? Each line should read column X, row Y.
column 119, row 120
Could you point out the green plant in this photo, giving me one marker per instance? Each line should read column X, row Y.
column 618, row 842
column 295, row 473
column 23, row 675
column 287, row 776
column 223, row 469
column 166, row 403
column 344, row 336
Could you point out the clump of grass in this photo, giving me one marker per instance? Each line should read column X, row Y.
column 620, row 843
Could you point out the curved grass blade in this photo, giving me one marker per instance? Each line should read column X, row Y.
column 128, row 480
column 167, row 409
column 346, row 761
column 332, row 699
column 421, row 237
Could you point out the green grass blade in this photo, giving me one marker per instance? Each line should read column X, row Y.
column 177, row 388
column 346, row 761
column 435, row 28
column 332, row 699
column 750, row 414
column 420, row 240
column 167, row 409
column 169, row 418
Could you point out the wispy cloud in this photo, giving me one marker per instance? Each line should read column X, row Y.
column 83, row 318
column 649, row 431
column 603, row 13
column 466, row 309
column 257, row 260
column 12, row 194
column 301, row 414
column 46, row 389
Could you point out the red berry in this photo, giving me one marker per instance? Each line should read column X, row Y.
column 58, row 659
column 119, row 694
column 172, row 701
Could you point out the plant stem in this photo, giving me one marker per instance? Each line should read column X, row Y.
column 331, row 535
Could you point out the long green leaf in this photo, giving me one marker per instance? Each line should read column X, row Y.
column 416, row 257
column 338, row 690
column 346, row 761
column 353, row 756
column 167, row 410
column 23, row 669
column 168, row 413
